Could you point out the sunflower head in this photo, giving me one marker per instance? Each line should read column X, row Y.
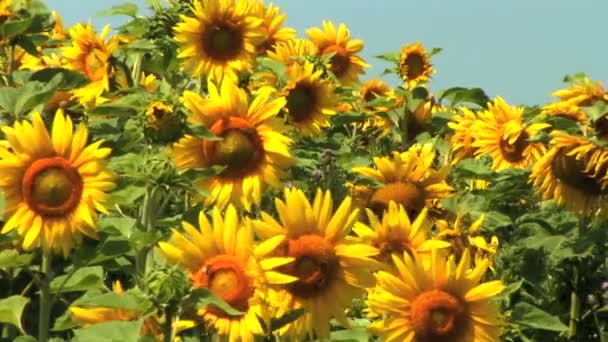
column 345, row 62
column 310, row 98
column 220, row 39
column 414, row 64
column 583, row 92
column 53, row 183
column 272, row 22
column 462, row 138
column 252, row 149
column 162, row 120
column 90, row 54
column 435, row 300
column 565, row 109
column 293, row 51
column 220, row 255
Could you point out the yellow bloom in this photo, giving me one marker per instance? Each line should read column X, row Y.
column 331, row 267
column 435, row 301
column 583, row 92
column 253, row 150
column 53, row 183
column 566, row 110
column 58, row 31
column 310, row 99
column 6, row 9
column 462, row 139
column 271, row 26
column 220, row 255
column 220, row 40
column 375, row 89
column 414, row 64
column 345, row 64
column 90, row 54
column 407, row 178
column 573, row 173
column 93, row 315
column 395, row 234
column 293, row 51
column 163, row 122
column 500, row 133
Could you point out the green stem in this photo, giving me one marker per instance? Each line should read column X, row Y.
column 168, row 331
column 136, row 71
column 600, row 330
column 45, row 298
column 575, row 304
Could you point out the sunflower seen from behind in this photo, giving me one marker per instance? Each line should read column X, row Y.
column 310, row 98
column 331, row 267
column 501, row 133
column 53, row 183
column 345, row 63
column 394, row 233
column 220, row 39
column 407, row 178
column 252, row 148
column 220, row 255
column 435, row 300
column 574, row 173
column 414, row 64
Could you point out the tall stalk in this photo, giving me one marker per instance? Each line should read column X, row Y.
column 45, row 298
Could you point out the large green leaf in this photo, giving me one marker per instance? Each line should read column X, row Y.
column 113, row 331
column 11, row 309
column 203, row 297
column 83, row 279
column 128, row 9
column 127, row 300
column 11, row 258
column 529, row 316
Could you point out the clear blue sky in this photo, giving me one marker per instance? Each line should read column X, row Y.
column 519, row 49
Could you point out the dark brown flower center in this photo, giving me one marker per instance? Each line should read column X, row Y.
column 223, row 42
column 570, row 171
column 601, row 127
column 513, row 153
column 414, row 66
column 411, row 196
column 340, row 61
column 301, row 102
column 438, row 316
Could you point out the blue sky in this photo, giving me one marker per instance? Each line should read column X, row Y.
column 518, row 49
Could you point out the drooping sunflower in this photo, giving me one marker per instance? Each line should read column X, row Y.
column 310, row 99
column 394, row 233
column 435, row 301
column 574, row 173
column 90, row 55
column 86, row 316
column 220, row 40
column 293, row 51
column 221, row 256
column 414, row 64
column 407, row 178
column 331, row 267
column 253, row 150
column 346, row 64
column 462, row 138
column 583, row 92
column 53, row 183
column 501, row 133
column 272, row 20
column 566, row 110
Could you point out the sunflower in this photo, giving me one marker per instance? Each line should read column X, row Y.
column 462, row 138
column 6, row 10
column 331, row 267
column 310, row 99
column 53, row 183
column 271, row 26
column 293, row 51
column 407, row 178
column 220, row 255
column 373, row 90
column 583, row 92
column 58, row 31
column 435, row 301
column 414, row 64
column 252, row 149
column 162, row 120
column 566, row 110
column 93, row 315
column 394, row 233
column 90, row 55
column 220, row 40
column 501, row 133
column 345, row 64
column 574, row 173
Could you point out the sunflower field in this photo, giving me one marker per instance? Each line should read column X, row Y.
column 205, row 173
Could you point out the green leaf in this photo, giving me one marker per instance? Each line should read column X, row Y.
column 529, row 316
column 203, row 133
column 202, row 297
column 27, row 338
column 127, row 300
column 11, row 309
column 129, row 9
column 205, row 172
column 359, row 334
column 343, row 119
column 12, row 28
column 69, row 78
column 128, row 195
column 113, row 331
column 10, row 258
column 83, row 279
column 285, row 319
column 8, row 97
column 35, row 93
column 459, row 95
column 117, row 225
column 389, row 56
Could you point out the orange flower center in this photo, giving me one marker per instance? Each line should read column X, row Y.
column 225, row 276
column 316, row 265
column 223, row 41
column 570, row 171
column 414, row 66
column 411, row 196
column 513, row 153
column 438, row 316
column 95, row 64
column 302, row 102
column 51, row 186
column 241, row 150
column 340, row 61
